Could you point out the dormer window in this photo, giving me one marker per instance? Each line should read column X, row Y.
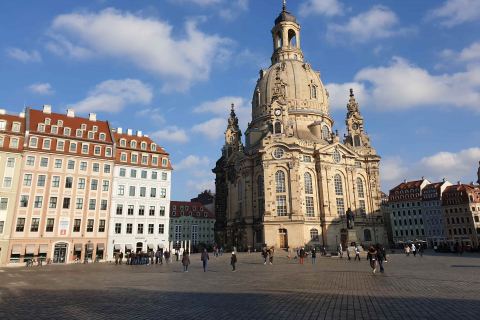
column 41, row 127
column 143, row 145
column 164, row 162
column 95, row 128
column 16, row 127
column 133, row 144
column 123, row 143
column 33, row 142
column 3, row 125
column 108, row 151
column 66, row 131
column 79, row 133
column 60, row 123
column 153, row 147
column 90, row 135
column 83, row 126
column 46, row 144
column 102, row 136
column 47, row 121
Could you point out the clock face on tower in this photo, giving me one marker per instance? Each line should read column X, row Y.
column 278, row 112
column 355, row 126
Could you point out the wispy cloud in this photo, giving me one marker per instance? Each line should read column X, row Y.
column 170, row 134
column 455, row 12
column 23, row 55
column 41, row 88
column 321, row 7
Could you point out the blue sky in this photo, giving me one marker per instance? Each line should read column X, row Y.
column 171, row 68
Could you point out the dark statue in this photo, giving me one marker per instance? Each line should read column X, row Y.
column 478, row 173
column 350, row 219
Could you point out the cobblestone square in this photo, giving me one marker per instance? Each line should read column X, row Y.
column 432, row 287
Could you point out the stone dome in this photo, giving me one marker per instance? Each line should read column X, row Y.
column 292, row 82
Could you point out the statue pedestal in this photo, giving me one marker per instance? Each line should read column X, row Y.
column 352, row 237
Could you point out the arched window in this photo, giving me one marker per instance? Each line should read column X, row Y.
column 123, row 143
column 143, row 145
column 261, row 195
column 367, row 235
column 133, row 144
column 308, row 183
column 292, row 38
column 313, row 91
column 325, row 133
column 314, row 234
column 277, row 127
column 280, row 181
column 279, row 40
column 360, row 190
column 338, row 185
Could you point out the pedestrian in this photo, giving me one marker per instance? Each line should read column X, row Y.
column 314, row 256
column 357, row 253
column 348, row 254
column 420, row 250
column 380, row 256
column 185, row 261
column 414, row 250
column 270, row 254
column 372, row 256
column 204, row 259
column 302, row 255
column 265, row 255
column 116, row 255
column 340, row 250
column 120, row 257
column 407, row 250
column 233, row 260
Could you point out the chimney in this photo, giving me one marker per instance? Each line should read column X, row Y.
column 139, row 133
column 146, row 136
column 21, row 114
column 129, row 132
column 70, row 113
column 3, row 111
column 119, row 130
column 92, row 116
column 443, row 179
column 404, row 180
column 47, row 108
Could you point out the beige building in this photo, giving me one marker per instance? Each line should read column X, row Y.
column 12, row 129
column 293, row 181
column 64, row 195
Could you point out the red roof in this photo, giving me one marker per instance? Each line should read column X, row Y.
column 187, row 208
column 460, row 194
column 8, row 134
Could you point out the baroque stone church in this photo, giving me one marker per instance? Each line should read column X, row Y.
column 292, row 181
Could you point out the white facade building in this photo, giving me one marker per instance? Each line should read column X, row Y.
column 139, row 216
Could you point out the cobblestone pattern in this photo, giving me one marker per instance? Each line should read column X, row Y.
column 432, row 287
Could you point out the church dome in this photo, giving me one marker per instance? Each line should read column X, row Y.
column 296, row 83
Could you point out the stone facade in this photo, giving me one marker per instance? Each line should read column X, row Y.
column 294, row 179
column 432, row 211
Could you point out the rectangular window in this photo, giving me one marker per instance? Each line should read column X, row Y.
column 150, row 228
column 119, row 209
column 164, row 162
column 101, row 225
column 129, row 228
column 103, row 204
column 105, row 185
column 340, row 207
column 123, row 172
column 50, row 225
column 97, row 150
column 66, row 203
column 52, row 204
column 143, row 191
column 60, row 145
column 41, row 180
column 35, row 224
column 10, row 162
column 23, row 201
column 38, row 201
column 68, row 182
column 14, row 143
column 151, row 211
column 131, row 192
column 310, row 211
column 94, row 184
column 123, row 157
column 73, row 146
column 44, row 162
column 71, row 165
column 90, row 225
column 85, row 148
column 81, row 183
column 7, row 182
column 144, row 174
column 83, row 166
column 106, row 168
column 27, row 179
column 133, row 173
column 77, row 223
column 108, row 152
column 33, row 142
column 163, row 193
column 46, row 144
column 281, row 205
column 140, row 228
column 121, row 190
column 134, row 158
column 3, row 203
column 154, row 175
column 144, row 159
column 164, row 176
column 161, row 228
column 141, row 210
column 30, row 161
column 2, row 223
column 153, row 192
column 92, row 204
column 58, row 163
column 20, row 225
column 130, row 209
column 155, row 160
column 162, row 211
column 79, row 203
column 96, row 167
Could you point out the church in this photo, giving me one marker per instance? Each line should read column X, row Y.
column 294, row 181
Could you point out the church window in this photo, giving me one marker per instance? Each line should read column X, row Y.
column 278, row 153
column 277, row 128
column 356, row 141
column 279, row 40
column 360, row 190
column 325, row 133
column 292, row 38
column 281, row 205
column 313, row 91
column 340, row 207
column 280, row 181
column 308, row 183
column 314, row 234
column 338, row 185
column 309, row 206
column 337, row 156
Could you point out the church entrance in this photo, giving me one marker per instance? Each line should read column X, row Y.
column 283, row 238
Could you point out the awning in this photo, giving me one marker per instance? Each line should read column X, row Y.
column 150, row 246
column 117, row 247
column 78, row 247
column 100, row 247
column 128, row 247
column 90, row 247
column 30, row 249
column 43, row 248
column 16, row 249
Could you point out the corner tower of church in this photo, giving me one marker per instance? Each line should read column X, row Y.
column 294, row 181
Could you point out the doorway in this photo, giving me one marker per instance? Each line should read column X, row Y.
column 139, row 247
column 283, row 238
column 60, row 253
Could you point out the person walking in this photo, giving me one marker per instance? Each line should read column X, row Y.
column 380, row 256
column 314, row 256
column 265, row 255
column 205, row 259
column 414, row 250
column 420, row 250
column 116, row 257
column 270, row 254
column 302, row 255
column 340, row 250
column 407, row 250
column 120, row 257
column 357, row 253
column 185, row 261
column 372, row 256
column 233, row 260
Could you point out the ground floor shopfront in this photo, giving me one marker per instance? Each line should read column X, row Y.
column 56, row 251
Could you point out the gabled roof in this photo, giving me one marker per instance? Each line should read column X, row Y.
column 193, row 209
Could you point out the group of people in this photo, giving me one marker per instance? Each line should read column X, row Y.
column 267, row 254
column 377, row 255
column 142, row 258
column 413, row 249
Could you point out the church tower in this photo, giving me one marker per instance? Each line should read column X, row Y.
column 294, row 180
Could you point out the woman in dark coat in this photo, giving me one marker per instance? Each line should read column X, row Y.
column 185, row 261
column 233, row 260
column 372, row 256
